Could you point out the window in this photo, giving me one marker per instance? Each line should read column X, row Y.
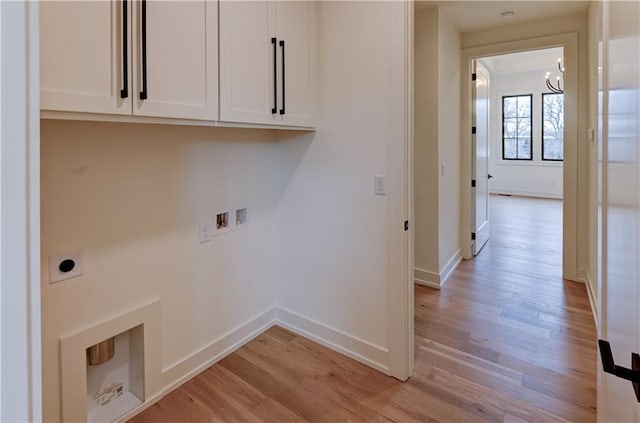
column 516, row 127
column 552, row 126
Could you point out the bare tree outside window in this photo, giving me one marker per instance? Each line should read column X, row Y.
column 553, row 127
column 516, row 127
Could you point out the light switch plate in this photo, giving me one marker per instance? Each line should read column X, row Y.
column 204, row 232
column 380, row 185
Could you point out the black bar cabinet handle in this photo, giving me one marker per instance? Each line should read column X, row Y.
column 283, row 78
column 124, row 92
column 274, row 41
column 143, row 93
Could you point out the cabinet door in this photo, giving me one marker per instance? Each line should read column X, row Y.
column 296, row 26
column 81, row 56
column 181, row 59
column 247, row 62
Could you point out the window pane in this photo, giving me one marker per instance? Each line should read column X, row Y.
column 553, row 149
column 524, row 106
column 516, row 127
column 524, row 128
column 524, row 148
column 510, row 128
column 510, row 150
column 509, row 107
column 552, row 126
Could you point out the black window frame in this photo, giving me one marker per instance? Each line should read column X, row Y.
column 542, row 127
column 530, row 128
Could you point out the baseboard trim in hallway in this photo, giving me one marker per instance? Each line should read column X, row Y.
column 358, row 349
column 437, row 280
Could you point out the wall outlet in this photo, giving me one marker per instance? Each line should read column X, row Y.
column 241, row 217
column 65, row 266
column 204, row 232
column 380, row 185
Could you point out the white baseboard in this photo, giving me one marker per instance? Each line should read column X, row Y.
column 586, row 277
column 187, row 368
column 426, row 278
column 358, row 349
column 525, row 193
column 437, row 280
column 178, row 373
column 450, row 267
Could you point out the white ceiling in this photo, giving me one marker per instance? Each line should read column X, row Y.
column 475, row 15
column 535, row 60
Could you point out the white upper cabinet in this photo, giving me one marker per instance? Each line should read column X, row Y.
column 296, row 29
column 82, row 56
column 179, row 48
column 98, row 56
column 267, row 62
column 246, row 62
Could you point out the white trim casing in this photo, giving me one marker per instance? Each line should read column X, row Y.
column 401, row 332
column 20, row 351
column 570, row 170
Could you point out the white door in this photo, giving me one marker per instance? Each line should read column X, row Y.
column 620, row 183
column 249, row 85
column 83, row 63
column 178, row 71
column 480, row 160
column 295, row 22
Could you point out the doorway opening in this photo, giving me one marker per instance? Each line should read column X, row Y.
column 517, row 159
column 570, row 220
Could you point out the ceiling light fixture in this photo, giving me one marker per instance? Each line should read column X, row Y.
column 507, row 14
column 556, row 89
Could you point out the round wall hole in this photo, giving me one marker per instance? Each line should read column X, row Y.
column 66, row 265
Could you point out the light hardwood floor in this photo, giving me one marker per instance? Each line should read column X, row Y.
column 505, row 340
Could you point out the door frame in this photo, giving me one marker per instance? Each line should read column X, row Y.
column 20, row 351
column 569, row 41
column 401, row 294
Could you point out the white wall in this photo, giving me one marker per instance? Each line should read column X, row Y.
column 536, row 177
column 426, row 169
column 334, row 233
column 437, row 142
column 449, row 68
column 131, row 197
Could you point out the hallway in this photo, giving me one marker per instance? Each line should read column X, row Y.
column 506, row 331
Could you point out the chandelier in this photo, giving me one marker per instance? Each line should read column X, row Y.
column 556, row 89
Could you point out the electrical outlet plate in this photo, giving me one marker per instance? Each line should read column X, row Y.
column 204, row 232
column 241, row 217
column 65, row 266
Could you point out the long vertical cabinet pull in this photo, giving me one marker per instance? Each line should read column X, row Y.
column 274, row 41
column 143, row 93
column 124, row 92
column 283, row 77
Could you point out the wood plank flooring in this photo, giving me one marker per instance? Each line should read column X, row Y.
column 505, row 340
